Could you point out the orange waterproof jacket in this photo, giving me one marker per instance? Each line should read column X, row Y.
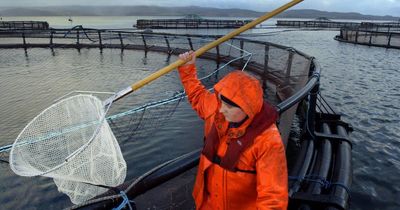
column 217, row 188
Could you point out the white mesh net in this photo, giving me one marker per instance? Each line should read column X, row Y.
column 71, row 142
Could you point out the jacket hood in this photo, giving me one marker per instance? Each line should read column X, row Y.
column 243, row 89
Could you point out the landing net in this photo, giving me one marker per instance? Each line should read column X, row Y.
column 72, row 143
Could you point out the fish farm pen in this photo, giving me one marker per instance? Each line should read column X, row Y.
column 388, row 37
column 314, row 24
column 194, row 22
column 322, row 23
column 381, row 26
column 319, row 162
column 18, row 25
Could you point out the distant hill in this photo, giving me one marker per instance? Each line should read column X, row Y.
column 177, row 11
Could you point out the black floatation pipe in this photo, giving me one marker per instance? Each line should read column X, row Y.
column 323, row 161
column 318, row 176
column 343, row 172
column 301, row 166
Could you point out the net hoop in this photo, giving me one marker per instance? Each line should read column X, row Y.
column 16, row 143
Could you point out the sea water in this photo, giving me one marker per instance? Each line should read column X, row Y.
column 362, row 83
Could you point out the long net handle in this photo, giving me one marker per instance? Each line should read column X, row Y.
column 200, row 51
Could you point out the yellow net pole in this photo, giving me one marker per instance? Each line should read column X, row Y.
column 204, row 49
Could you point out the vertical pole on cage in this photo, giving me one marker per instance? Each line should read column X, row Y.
column 51, row 37
column 218, row 60
column 77, row 36
column 190, row 43
column 241, row 52
column 51, row 41
column 266, row 60
column 121, row 41
column 218, row 56
column 312, row 109
column 144, row 43
column 370, row 37
column 289, row 64
column 24, row 40
column 390, row 37
column 25, row 47
column 169, row 47
column 100, row 41
column 357, row 35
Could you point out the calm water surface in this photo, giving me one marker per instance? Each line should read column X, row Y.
column 360, row 82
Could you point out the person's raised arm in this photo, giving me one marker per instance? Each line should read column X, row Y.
column 202, row 100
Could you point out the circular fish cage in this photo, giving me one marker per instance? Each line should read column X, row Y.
column 379, row 35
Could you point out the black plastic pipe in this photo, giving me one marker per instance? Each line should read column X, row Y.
column 343, row 172
column 323, row 160
column 301, row 166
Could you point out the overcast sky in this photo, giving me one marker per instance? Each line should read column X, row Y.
column 369, row 7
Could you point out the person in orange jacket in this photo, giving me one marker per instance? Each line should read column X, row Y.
column 243, row 163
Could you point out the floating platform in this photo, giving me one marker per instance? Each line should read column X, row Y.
column 193, row 22
column 24, row 25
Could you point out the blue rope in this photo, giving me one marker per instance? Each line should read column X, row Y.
column 343, row 186
column 320, row 180
column 295, row 178
column 125, row 202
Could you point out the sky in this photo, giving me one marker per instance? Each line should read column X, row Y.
column 367, row 7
